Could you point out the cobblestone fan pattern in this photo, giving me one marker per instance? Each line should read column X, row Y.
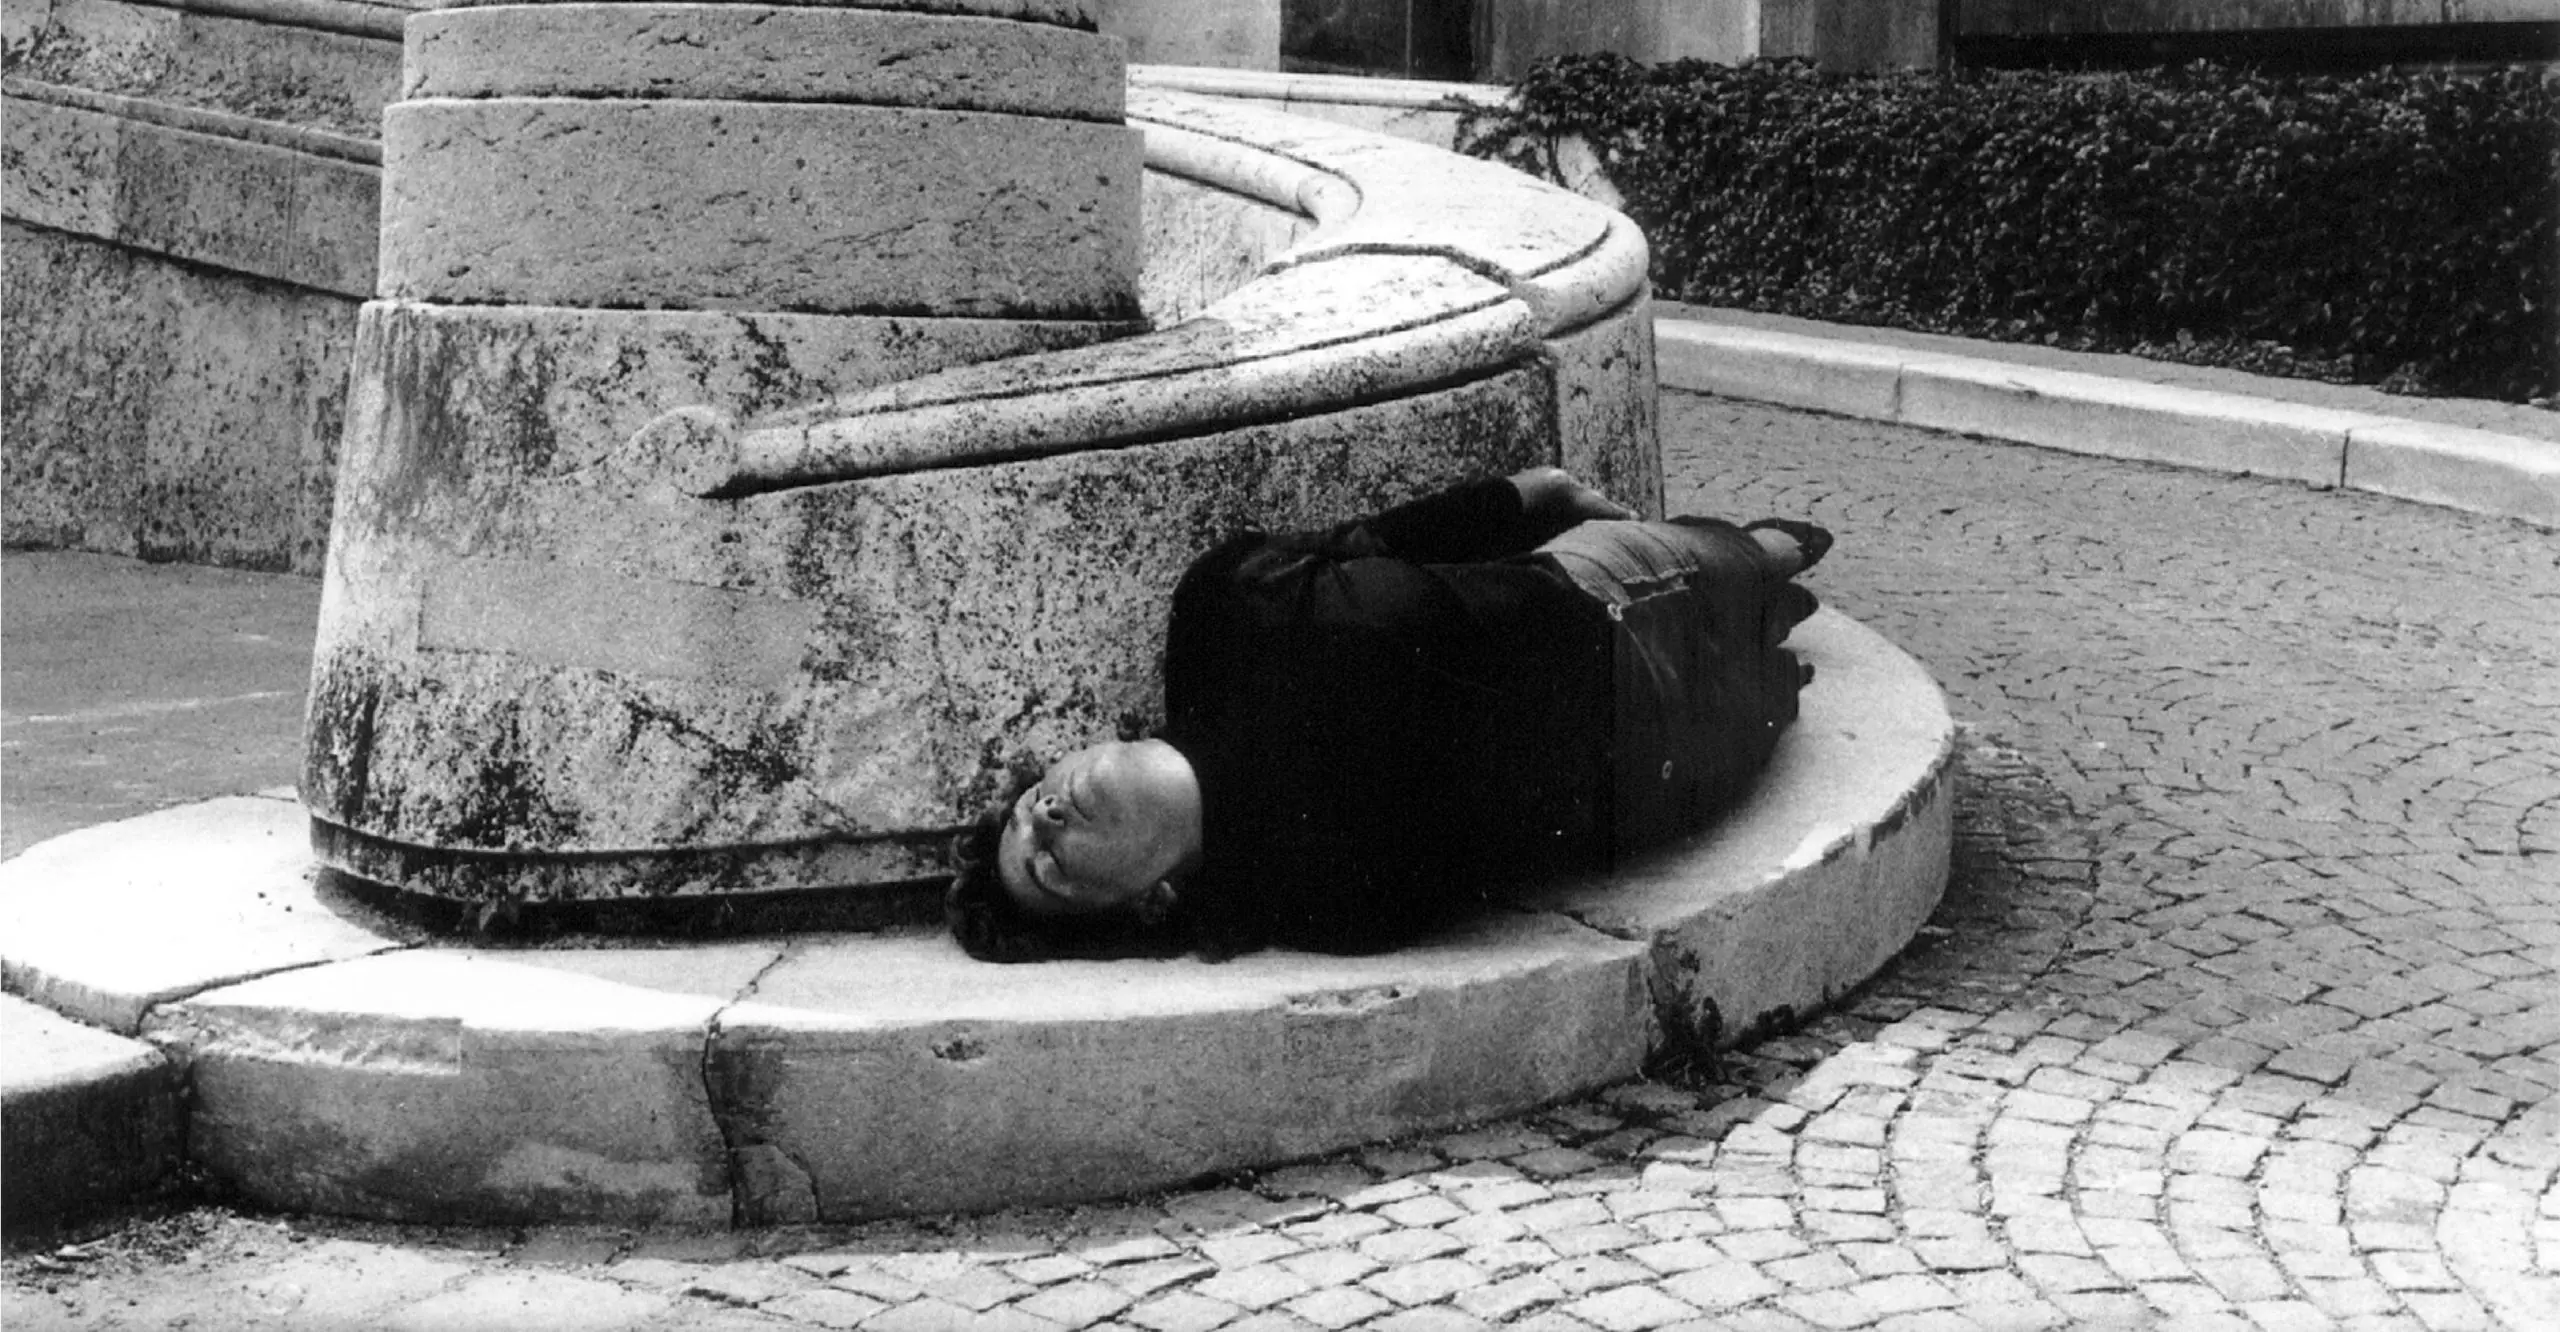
column 2240, row 1012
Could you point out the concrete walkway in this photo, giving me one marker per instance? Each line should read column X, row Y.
column 2241, row 1012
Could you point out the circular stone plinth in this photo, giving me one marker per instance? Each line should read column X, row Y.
column 339, row 1067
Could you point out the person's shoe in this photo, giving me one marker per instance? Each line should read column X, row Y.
column 1812, row 542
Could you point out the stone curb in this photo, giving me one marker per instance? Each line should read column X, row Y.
column 331, row 1066
column 89, row 1120
column 2479, row 471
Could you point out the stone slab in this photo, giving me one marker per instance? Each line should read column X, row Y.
column 1358, row 328
column 274, row 69
column 2484, row 471
column 758, row 206
column 207, row 198
column 89, row 1121
column 454, row 1086
column 1817, row 374
column 1203, row 242
column 865, row 1063
column 1836, row 859
column 2115, row 418
column 1410, row 198
column 838, row 1076
column 2479, row 470
column 756, row 53
column 1065, row 13
column 166, row 410
column 1608, row 406
column 106, row 923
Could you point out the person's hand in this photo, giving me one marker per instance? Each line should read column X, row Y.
column 1554, row 495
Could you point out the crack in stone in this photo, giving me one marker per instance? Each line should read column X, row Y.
column 766, row 1182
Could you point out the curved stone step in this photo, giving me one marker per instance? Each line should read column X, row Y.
column 88, row 1120
column 337, row 1065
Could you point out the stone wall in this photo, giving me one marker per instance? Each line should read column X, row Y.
column 184, row 413
column 1231, row 34
column 191, row 200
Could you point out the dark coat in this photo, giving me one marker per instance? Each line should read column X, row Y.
column 1388, row 719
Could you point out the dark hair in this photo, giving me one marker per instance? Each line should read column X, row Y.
column 991, row 927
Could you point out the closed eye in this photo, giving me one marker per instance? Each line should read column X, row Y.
column 1044, row 878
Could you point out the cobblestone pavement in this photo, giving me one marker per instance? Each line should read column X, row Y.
column 2240, row 1013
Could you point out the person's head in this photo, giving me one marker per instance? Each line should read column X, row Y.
column 1100, row 842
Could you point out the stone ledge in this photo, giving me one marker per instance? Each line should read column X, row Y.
column 2460, row 468
column 341, row 1068
column 89, row 1120
column 2476, row 470
column 721, row 52
column 208, row 188
column 1439, row 230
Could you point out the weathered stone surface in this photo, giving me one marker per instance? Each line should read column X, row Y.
column 88, row 1120
column 1847, row 378
column 557, row 393
column 964, row 618
column 208, row 198
column 105, row 923
column 1203, row 242
column 1411, row 199
column 1064, row 13
column 1356, row 328
column 2091, row 414
column 754, row 53
column 1799, row 911
column 758, row 206
column 1606, row 405
column 867, row 1062
column 166, row 411
column 452, row 1086
column 282, row 72
column 1242, row 34
column 2478, row 470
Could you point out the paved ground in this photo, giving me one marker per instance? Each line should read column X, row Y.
column 2241, row 1011
column 91, row 737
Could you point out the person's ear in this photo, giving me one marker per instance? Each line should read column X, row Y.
column 1155, row 906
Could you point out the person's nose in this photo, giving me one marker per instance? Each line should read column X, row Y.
column 1050, row 810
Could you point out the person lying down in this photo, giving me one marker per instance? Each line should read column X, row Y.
column 1374, row 727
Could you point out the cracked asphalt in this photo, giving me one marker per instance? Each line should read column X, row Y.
column 2240, row 1012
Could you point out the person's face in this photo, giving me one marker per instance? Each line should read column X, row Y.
column 1100, row 830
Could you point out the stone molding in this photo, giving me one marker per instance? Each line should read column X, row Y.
column 200, row 120
column 1301, row 91
column 829, row 208
column 274, row 201
column 388, row 17
column 763, row 53
column 353, row 18
column 1389, row 216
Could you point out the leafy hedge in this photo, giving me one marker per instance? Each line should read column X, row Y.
column 2401, row 227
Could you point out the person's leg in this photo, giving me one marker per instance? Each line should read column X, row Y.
column 1701, row 686
column 1621, row 562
